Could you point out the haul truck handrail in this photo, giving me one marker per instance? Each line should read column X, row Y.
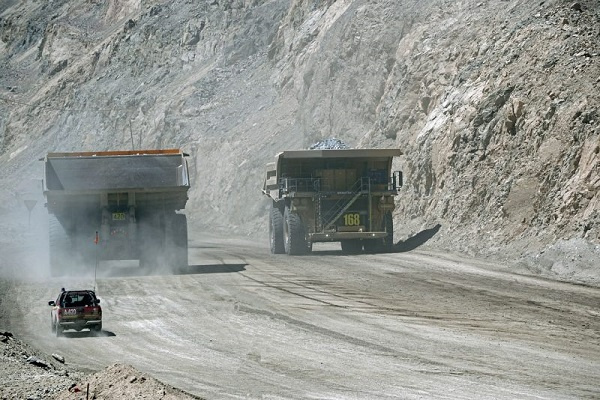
column 275, row 176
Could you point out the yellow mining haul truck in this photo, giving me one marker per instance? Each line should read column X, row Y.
column 344, row 195
column 116, row 205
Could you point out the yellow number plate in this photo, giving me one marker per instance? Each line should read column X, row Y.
column 352, row 219
column 118, row 216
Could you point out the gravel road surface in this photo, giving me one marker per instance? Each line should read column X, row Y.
column 241, row 323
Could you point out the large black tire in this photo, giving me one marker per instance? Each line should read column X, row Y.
column 59, row 247
column 351, row 246
column 386, row 244
column 388, row 241
column 86, row 250
column 277, row 244
column 72, row 251
column 157, row 242
column 293, row 234
column 150, row 242
column 163, row 243
column 178, row 242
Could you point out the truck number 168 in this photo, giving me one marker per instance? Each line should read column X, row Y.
column 352, row 219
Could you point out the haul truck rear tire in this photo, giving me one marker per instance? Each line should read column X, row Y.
column 151, row 243
column 179, row 242
column 276, row 230
column 59, row 247
column 163, row 242
column 83, row 248
column 293, row 233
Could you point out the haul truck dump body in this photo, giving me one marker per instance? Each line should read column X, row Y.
column 116, row 205
column 342, row 196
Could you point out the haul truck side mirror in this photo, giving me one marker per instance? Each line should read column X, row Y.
column 397, row 180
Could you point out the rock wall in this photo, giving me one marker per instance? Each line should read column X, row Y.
column 494, row 103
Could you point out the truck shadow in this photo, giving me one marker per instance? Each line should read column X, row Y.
column 122, row 272
column 201, row 246
column 416, row 241
column 211, row 269
column 87, row 334
column 402, row 246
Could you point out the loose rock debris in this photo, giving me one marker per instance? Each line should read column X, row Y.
column 120, row 381
column 329, row 144
column 27, row 374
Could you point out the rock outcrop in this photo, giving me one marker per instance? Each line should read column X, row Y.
column 494, row 103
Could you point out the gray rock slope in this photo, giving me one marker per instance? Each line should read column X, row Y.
column 494, row 103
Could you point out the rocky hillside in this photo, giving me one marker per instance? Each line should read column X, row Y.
column 494, row 103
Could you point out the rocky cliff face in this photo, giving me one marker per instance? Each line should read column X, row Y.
column 494, row 103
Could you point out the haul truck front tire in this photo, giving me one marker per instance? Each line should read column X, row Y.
column 385, row 245
column 388, row 241
column 293, row 233
column 276, row 230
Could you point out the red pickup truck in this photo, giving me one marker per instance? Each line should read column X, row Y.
column 75, row 309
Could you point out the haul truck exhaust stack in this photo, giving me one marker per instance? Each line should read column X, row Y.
column 342, row 196
column 131, row 198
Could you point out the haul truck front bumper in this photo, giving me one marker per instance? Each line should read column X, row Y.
column 339, row 236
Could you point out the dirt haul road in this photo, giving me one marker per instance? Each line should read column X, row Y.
column 240, row 323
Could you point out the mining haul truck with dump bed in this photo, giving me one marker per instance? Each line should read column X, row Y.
column 116, row 205
column 344, row 195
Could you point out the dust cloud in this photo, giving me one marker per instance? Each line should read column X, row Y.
column 24, row 233
column 24, row 248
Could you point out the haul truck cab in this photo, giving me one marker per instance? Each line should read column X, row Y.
column 344, row 196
